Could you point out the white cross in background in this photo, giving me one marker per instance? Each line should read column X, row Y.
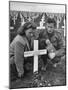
column 42, row 23
column 58, row 21
column 35, row 53
column 64, row 27
column 22, row 19
column 14, row 19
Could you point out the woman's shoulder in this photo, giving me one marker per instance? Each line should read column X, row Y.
column 18, row 39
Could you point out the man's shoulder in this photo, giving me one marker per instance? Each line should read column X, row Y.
column 57, row 33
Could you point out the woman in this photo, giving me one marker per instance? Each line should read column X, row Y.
column 20, row 44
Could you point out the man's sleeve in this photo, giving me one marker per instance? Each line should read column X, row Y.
column 19, row 57
column 60, row 41
column 61, row 47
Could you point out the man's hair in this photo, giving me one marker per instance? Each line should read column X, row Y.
column 26, row 26
column 51, row 20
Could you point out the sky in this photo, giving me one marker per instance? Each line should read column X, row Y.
column 35, row 7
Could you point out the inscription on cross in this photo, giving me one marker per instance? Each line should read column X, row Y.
column 35, row 53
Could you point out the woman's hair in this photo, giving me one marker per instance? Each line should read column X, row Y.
column 51, row 20
column 26, row 26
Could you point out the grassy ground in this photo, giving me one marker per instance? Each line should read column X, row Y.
column 52, row 77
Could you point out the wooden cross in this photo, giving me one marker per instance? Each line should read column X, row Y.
column 58, row 21
column 42, row 23
column 22, row 19
column 14, row 19
column 64, row 28
column 35, row 53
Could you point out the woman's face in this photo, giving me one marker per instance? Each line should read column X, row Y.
column 29, row 33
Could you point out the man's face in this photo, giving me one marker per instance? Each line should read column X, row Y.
column 29, row 33
column 50, row 27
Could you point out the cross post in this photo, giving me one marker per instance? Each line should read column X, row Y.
column 35, row 53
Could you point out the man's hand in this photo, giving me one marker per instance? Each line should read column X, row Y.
column 52, row 55
column 20, row 75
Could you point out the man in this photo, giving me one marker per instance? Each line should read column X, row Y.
column 52, row 41
column 21, row 43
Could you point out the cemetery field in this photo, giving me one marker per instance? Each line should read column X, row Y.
column 43, row 17
column 52, row 77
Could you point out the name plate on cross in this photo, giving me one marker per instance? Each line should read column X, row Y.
column 35, row 53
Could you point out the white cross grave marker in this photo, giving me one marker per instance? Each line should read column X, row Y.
column 14, row 19
column 64, row 28
column 35, row 53
column 22, row 19
column 42, row 23
column 58, row 21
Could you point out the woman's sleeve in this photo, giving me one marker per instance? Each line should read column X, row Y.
column 19, row 57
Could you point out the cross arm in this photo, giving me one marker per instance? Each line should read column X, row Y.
column 37, row 52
